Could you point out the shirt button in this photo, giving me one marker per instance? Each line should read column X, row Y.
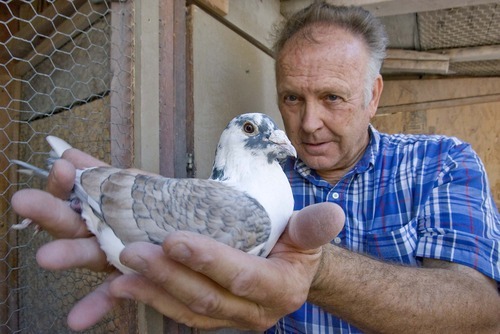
column 337, row 240
column 335, row 195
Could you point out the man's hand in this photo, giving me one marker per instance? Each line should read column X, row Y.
column 191, row 279
column 199, row 282
column 74, row 246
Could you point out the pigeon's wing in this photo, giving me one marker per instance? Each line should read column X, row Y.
column 146, row 208
column 91, row 180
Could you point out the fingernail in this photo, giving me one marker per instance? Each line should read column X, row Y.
column 123, row 294
column 133, row 261
column 179, row 252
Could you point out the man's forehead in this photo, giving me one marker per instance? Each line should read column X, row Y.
column 332, row 53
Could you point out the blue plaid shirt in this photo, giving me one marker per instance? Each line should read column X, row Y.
column 409, row 197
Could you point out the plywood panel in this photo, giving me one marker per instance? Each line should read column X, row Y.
column 231, row 77
column 405, row 92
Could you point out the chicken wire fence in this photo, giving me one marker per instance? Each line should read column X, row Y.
column 65, row 70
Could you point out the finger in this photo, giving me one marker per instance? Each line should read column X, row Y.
column 62, row 174
column 81, row 159
column 61, row 179
column 52, row 214
column 248, row 276
column 139, row 288
column 66, row 254
column 315, row 225
column 93, row 307
column 198, row 293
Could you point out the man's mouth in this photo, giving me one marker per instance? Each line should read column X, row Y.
column 314, row 147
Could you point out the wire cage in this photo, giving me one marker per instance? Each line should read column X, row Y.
column 65, row 70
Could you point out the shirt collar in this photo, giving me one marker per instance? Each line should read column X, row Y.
column 365, row 163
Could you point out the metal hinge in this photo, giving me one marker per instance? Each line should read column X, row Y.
column 190, row 162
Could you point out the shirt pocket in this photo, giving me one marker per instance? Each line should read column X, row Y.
column 397, row 245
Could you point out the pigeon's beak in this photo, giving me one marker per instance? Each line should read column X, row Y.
column 284, row 146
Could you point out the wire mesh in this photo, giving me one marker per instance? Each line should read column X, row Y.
column 463, row 27
column 460, row 27
column 65, row 70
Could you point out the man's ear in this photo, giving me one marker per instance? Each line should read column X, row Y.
column 378, row 86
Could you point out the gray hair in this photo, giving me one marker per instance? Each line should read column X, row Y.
column 356, row 20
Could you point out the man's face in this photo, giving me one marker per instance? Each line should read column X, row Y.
column 321, row 99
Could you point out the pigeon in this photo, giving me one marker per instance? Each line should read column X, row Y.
column 246, row 203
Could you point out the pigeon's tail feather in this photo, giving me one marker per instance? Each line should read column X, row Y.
column 58, row 145
column 29, row 169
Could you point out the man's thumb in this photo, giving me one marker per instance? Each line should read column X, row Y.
column 316, row 225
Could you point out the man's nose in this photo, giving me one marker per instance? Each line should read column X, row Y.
column 311, row 117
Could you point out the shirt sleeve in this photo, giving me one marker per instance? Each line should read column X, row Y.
column 460, row 221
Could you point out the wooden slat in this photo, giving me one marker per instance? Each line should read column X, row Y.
column 9, row 133
column 9, row 137
column 221, row 7
column 83, row 18
column 410, row 91
column 183, row 77
column 167, row 87
column 479, row 53
column 407, row 61
column 398, row 7
column 415, row 55
column 146, row 86
column 389, row 7
column 438, row 104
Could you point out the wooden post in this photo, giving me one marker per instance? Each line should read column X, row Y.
column 122, row 89
column 9, row 135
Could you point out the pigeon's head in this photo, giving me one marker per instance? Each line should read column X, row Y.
column 251, row 135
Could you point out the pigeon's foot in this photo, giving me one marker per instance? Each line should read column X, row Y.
column 75, row 204
column 25, row 223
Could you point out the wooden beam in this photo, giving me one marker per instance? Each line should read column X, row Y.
column 146, row 86
column 407, row 61
column 438, row 104
column 221, row 7
column 82, row 19
column 478, row 53
column 398, row 7
column 10, row 97
column 389, row 7
column 176, row 106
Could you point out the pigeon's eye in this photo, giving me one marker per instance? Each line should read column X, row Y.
column 249, row 128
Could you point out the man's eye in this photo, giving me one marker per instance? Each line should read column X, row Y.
column 291, row 99
column 332, row 97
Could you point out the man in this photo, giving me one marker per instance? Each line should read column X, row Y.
column 421, row 205
column 404, row 196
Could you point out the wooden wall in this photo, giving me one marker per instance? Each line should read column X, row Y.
column 231, row 75
column 467, row 108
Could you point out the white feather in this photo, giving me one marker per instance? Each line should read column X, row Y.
column 265, row 182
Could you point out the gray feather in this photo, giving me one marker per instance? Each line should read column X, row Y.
column 161, row 205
